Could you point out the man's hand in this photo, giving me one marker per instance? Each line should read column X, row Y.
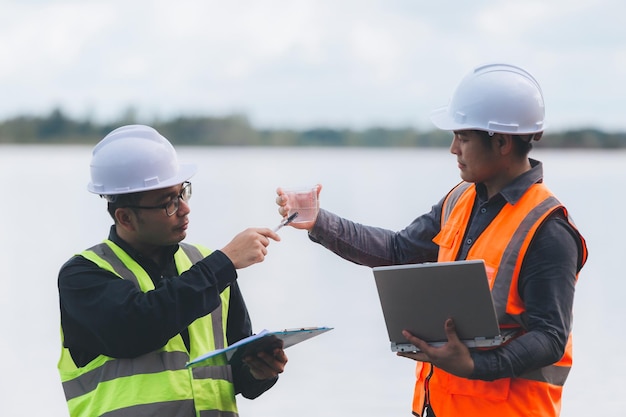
column 453, row 357
column 249, row 247
column 265, row 365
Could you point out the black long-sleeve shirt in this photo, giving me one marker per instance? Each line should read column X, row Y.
column 546, row 282
column 103, row 314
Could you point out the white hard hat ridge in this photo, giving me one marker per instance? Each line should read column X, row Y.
column 497, row 98
column 135, row 158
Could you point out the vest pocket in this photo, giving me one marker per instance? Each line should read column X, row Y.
column 497, row 390
column 447, row 236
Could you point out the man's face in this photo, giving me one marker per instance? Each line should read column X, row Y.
column 153, row 227
column 478, row 159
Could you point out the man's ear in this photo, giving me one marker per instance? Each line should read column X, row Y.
column 504, row 142
column 124, row 218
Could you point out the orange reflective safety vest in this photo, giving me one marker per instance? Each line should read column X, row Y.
column 502, row 246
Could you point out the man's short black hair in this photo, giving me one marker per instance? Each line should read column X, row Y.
column 121, row 200
column 522, row 143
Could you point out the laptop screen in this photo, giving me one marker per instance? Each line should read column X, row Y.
column 421, row 297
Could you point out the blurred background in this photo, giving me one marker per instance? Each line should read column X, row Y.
column 304, row 63
column 242, row 86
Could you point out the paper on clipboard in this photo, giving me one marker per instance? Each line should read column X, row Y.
column 287, row 337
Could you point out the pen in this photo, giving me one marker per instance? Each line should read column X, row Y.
column 286, row 221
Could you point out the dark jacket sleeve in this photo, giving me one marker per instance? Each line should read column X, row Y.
column 238, row 327
column 103, row 314
column 374, row 246
column 546, row 286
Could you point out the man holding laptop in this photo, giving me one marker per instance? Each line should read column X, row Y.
column 500, row 213
column 418, row 298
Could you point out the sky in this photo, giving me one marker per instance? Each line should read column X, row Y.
column 305, row 63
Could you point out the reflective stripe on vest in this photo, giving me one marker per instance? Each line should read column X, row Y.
column 157, row 383
column 503, row 245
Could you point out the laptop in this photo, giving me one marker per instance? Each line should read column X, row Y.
column 421, row 297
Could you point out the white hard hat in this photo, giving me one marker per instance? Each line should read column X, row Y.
column 135, row 158
column 497, row 98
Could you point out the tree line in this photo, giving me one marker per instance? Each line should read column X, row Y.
column 236, row 130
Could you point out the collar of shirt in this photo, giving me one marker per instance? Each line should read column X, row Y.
column 156, row 272
column 516, row 188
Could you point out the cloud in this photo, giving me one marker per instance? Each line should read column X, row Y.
column 303, row 62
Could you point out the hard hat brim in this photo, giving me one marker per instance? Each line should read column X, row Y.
column 442, row 120
column 185, row 172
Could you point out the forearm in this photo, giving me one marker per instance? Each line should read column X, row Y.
column 374, row 246
column 239, row 326
column 105, row 314
column 531, row 351
column 547, row 283
column 354, row 242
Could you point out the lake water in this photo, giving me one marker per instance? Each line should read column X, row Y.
column 48, row 215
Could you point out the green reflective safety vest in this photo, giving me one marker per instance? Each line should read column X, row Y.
column 156, row 383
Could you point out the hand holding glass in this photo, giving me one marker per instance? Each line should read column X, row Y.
column 302, row 200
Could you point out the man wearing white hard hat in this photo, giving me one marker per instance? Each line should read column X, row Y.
column 136, row 308
column 501, row 213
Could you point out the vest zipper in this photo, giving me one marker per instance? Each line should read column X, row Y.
column 428, row 409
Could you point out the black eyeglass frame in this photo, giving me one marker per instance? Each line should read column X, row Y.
column 185, row 195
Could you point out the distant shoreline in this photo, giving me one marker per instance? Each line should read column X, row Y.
column 236, row 130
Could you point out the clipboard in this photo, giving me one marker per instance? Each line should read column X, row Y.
column 264, row 340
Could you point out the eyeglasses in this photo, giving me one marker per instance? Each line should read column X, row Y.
column 171, row 206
